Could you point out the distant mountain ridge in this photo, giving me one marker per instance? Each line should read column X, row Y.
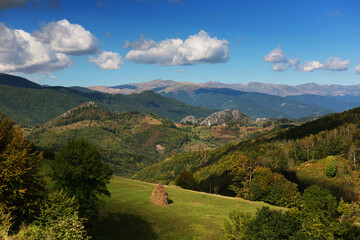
column 29, row 103
column 268, row 88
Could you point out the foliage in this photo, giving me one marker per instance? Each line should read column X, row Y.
column 21, row 186
column 272, row 224
column 243, row 171
column 79, row 170
column 273, row 188
column 235, row 227
column 330, row 168
column 29, row 104
column 319, row 213
column 186, row 180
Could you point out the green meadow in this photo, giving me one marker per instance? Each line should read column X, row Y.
column 128, row 214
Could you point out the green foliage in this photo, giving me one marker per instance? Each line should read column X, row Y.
column 331, row 168
column 273, row 188
column 186, row 180
column 272, row 224
column 319, row 213
column 236, row 226
column 29, row 104
column 21, row 186
column 79, row 170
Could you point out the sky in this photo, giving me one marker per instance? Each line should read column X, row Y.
column 113, row 42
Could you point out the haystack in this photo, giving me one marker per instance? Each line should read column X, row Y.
column 159, row 196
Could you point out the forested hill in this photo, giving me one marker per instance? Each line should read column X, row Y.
column 29, row 103
column 284, row 151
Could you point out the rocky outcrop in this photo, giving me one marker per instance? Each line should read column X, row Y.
column 189, row 120
column 224, row 117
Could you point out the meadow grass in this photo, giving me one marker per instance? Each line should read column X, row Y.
column 128, row 214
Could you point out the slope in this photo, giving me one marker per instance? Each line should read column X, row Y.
column 130, row 141
column 252, row 104
column 28, row 103
column 128, row 214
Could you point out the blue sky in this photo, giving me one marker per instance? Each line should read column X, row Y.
column 82, row 43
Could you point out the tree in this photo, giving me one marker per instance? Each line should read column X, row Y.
column 186, row 180
column 330, row 167
column 353, row 155
column 235, row 227
column 273, row 188
column 21, row 185
column 80, row 171
column 243, row 171
column 319, row 213
column 272, row 224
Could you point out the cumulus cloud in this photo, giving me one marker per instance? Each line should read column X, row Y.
column 196, row 49
column 107, row 60
column 357, row 68
column 64, row 37
column 335, row 64
column 310, row 66
column 21, row 52
column 282, row 63
column 275, row 56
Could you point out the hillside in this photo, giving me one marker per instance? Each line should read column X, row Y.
column 131, row 141
column 281, row 151
column 191, row 215
column 252, row 104
column 34, row 105
column 334, row 98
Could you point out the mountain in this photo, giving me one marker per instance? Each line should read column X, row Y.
column 253, row 104
column 223, row 117
column 129, row 141
column 335, row 104
column 29, row 103
column 288, row 90
column 16, row 81
column 154, row 85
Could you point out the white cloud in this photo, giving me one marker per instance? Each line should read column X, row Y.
column 357, row 68
column 4, row 4
column 108, row 61
column 196, row 49
column 280, row 61
column 310, row 66
column 275, row 56
column 279, row 67
column 65, row 37
column 21, row 52
column 180, row 70
column 335, row 64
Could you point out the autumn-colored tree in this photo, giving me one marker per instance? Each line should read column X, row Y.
column 21, row 185
column 353, row 156
column 243, row 171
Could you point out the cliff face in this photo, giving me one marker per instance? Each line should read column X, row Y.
column 220, row 118
column 189, row 119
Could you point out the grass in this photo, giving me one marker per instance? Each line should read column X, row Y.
column 128, row 214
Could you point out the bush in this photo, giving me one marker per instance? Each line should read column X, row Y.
column 235, row 227
column 186, row 180
column 331, row 166
column 273, row 188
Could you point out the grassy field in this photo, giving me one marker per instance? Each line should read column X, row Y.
column 128, row 214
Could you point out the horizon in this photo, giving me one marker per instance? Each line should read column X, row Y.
column 110, row 43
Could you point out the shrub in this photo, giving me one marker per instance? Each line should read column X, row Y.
column 235, row 227
column 186, row 180
column 331, row 166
